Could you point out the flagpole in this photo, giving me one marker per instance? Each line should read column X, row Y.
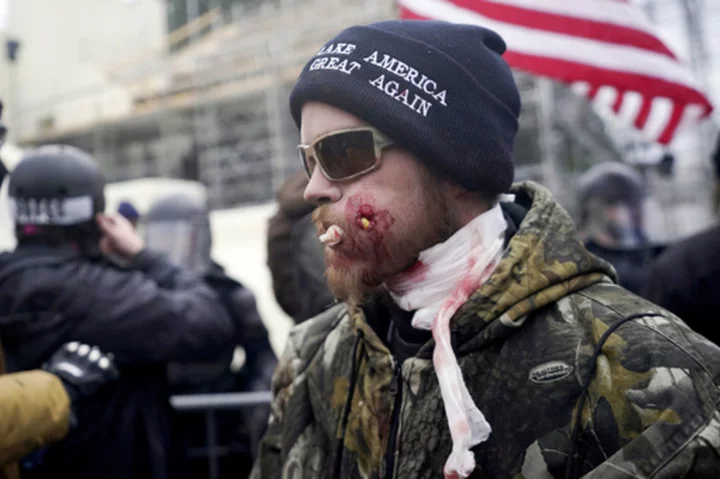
column 545, row 101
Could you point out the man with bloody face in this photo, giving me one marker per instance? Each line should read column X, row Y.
column 474, row 335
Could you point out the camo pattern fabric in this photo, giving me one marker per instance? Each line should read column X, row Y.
column 525, row 343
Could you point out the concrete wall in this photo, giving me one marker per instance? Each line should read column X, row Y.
column 67, row 49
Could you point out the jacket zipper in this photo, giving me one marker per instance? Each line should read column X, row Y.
column 395, row 391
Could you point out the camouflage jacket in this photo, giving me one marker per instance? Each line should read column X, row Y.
column 526, row 344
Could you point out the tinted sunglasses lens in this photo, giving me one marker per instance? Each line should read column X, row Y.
column 346, row 154
column 307, row 161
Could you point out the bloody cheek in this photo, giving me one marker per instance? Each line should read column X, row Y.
column 360, row 211
column 375, row 223
column 365, row 217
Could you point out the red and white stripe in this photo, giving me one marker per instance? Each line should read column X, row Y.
column 605, row 49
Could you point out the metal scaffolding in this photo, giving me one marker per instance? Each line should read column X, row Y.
column 212, row 106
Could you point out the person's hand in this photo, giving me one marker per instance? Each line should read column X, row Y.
column 119, row 236
column 82, row 369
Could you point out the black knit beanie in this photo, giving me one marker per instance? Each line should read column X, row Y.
column 440, row 90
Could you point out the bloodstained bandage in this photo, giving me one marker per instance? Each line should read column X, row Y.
column 332, row 236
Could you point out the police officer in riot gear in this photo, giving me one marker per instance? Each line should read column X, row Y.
column 39, row 407
column 179, row 226
column 57, row 286
column 611, row 197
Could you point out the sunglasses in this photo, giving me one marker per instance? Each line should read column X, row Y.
column 344, row 154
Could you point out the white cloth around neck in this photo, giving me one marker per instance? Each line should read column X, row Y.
column 442, row 280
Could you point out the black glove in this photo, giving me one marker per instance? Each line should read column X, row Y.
column 82, row 369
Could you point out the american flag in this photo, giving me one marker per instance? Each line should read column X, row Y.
column 605, row 49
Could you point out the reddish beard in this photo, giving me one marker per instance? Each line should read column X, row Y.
column 358, row 264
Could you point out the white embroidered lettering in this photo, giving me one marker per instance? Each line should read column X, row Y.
column 372, row 58
column 401, row 70
column 334, row 63
column 387, row 63
column 318, row 64
column 412, row 74
column 441, row 97
column 420, row 105
column 353, row 66
column 431, row 89
column 424, row 106
column 391, row 88
column 337, row 49
column 403, row 97
column 405, row 72
column 378, row 82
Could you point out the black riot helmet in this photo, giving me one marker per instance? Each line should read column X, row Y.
column 55, row 191
column 611, row 197
column 178, row 225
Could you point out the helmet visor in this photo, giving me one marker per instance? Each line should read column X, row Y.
column 185, row 242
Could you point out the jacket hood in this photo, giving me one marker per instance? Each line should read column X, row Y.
column 544, row 261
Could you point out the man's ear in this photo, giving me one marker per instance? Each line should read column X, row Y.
column 454, row 191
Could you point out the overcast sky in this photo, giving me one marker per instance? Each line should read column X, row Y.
column 3, row 14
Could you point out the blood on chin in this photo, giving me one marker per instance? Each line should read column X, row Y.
column 369, row 251
column 347, row 264
column 364, row 275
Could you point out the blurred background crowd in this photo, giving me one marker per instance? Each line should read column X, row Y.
column 189, row 98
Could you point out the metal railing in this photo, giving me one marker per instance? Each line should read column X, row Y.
column 210, row 404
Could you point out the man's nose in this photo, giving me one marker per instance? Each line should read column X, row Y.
column 321, row 190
